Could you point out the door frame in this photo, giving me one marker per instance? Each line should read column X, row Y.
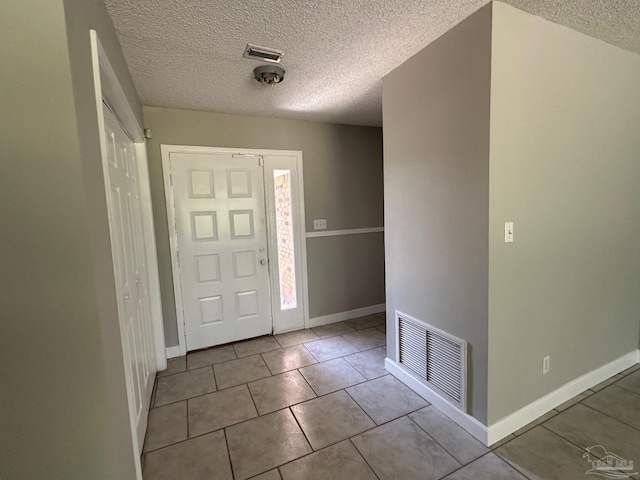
column 166, row 151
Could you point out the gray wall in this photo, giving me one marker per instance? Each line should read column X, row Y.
column 436, row 187
column 64, row 412
column 343, row 183
column 346, row 272
column 565, row 151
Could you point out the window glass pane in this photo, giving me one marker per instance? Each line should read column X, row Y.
column 284, row 231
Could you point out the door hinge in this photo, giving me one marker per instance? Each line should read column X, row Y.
column 171, row 178
column 261, row 161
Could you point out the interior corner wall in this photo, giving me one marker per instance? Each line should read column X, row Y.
column 58, row 419
column 436, row 187
column 565, row 145
column 342, row 183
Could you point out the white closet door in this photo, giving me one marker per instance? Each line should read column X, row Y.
column 222, row 247
column 127, row 239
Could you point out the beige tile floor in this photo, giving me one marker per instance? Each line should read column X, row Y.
column 318, row 404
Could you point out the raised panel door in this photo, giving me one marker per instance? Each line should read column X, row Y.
column 222, row 247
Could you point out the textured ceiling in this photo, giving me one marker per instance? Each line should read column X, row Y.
column 188, row 54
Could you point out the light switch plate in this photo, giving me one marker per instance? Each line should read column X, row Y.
column 320, row 224
column 508, row 232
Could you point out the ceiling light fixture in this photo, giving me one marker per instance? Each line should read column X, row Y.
column 269, row 74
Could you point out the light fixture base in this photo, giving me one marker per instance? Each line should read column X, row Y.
column 269, row 74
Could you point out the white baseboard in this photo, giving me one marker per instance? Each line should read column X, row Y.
column 348, row 315
column 527, row 414
column 472, row 425
column 172, row 352
column 511, row 423
column 334, row 233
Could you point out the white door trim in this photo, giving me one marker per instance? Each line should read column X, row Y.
column 166, row 151
column 108, row 87
column 173, row 246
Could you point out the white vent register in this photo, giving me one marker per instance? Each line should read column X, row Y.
column 435, row 357
column 263, row 54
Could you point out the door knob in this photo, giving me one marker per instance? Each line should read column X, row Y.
column 263, row 262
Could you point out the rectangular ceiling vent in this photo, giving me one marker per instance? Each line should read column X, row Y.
column 263, row 54
column 436, row 357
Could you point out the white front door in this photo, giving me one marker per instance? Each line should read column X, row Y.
column 132, row 284
column 222, row 247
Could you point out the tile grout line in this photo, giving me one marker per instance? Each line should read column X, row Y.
column 246, row 383
column 310, row 453
column 622, row 387
column 512, row 465
column 493, row 449
column 255, row 405
column 543, row 425
column 204, row 433
column 343, row 388
column 302, row 430
column 215, row 382
column 474, row 460
column 375, row 425
column 403, row 415
column 210, row 364
column 606, row 415
column 178, row 442
column 226, row 442
column 307, row 382
column 310, row 352
column 225, row 427
column 364, row 411
column 350, row 439
column 153, row 397
column 440, row 444
column 329, row 445
column 288, row 371
column 190, row 397
column 187, row 419
column 266, row 364
column 561, row 436
column 532, row 424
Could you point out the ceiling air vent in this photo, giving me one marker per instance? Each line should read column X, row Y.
column 437, row 358
column 263, row 54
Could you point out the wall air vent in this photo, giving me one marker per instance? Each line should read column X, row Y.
column 435, row 357
column 263, row 54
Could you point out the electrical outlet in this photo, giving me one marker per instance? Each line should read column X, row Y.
column 320, row 224
column 546, row 364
